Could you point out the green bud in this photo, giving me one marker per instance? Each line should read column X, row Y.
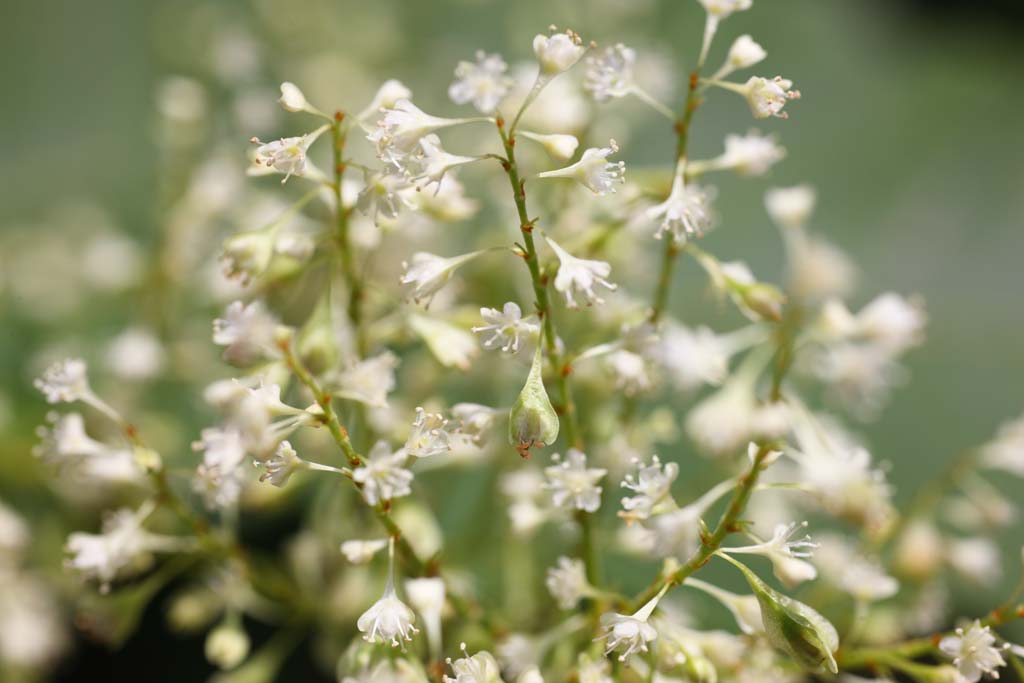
column 793, row 627
column 532, row 420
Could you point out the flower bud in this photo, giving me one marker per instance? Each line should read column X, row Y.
column 558, row 52
column 532, row 420
column 793, row 627
column 227, row 646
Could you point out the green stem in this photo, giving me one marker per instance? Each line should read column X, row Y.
column 710, row 543
column 540, row 291
column 671, row 251
column 353, row 281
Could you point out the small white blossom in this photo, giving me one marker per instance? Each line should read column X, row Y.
column 558, row 52
column 629, row 370
column 246, row 255
column 369, row 381
column 579, row 276
column 425, row 274
column 227, row 645
column 361, row 552
column 693, row 357
column 572, row 483
column 767, row 97
column 567, row 582
column 475, row 420
column 728, row 419
column 787, row 556
column 451, row 345
column 66, row 440
column 287, row 155
column 974, row 652
column 790, row 207
column 247, row 332
column 593, row 670
column 483, row 82
column 279, row 468
column 384, row 196
column 610, row 72
column 652, row 485
column 429, row 435
column 432, row 162
column 751, row 154
column 389, row 620
column 505, row 327
column 723, row 8
column 480, row 668
column 400, row 129
column 630, row 631
column 389, row 93
column 686, row 212
column 293, row 100
column 745, row 609
column 893, row 321
column 383, row 475
column 744, row 53
column 136, row 354
column 1006, row 451
column 593, row 170
column 559, row 145
column 426, row 595
column 65, row 381
column 977, row 559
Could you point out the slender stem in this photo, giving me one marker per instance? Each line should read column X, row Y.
column 660, row 301
column 540, row 291
column 589, row 547
column 353, row 281
column 710, row 543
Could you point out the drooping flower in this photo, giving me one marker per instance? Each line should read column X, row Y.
column 974, row 652
column 505, row 327
column 631, row 632
column 429, row 435
column 425, row 274
column 383, row 475
column 788, row 557
column 479, row 668
column 652, row 485
column 593, row 170
column 686, row 212
column 389, row 620
column 558, row 52
column 572, row 483
column 483, row 82
column 610, row 72
column 579, row 276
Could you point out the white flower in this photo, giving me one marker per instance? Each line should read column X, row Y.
column 693, row 357
column 593, row 670
column 452, row 346
column 610, row 72
column 723, row 8
column 976, row 559
column 787, row 556
column 246, row 255
column 577, row 275
column 389, row 620
column 384, row 196
column 558, row 52
column 475, row 420
column 66, row 440
column 369, row 381
column 685, row 213
column 480, row 668
column 123, row 542
column 816, row 268
column 751, row 154
column 572, row 483
column 629, row 370
column 279, row 467
column 567, row 582
column 447, row 203
column 728, row 419
column 1006, row 451
column 559, row 145
column 432, row 162
column 400, row 129
column 482, row 82
column 223, row 448
column 426, row 595
column 767, row 97
column 383, row 475
column 429, row 435
column 744, row 53
column 894, row 322
column 361, row 552
column 676, row 532
column 293, row 100
column 653, row 487
column 630, row 631
column 505, row 327
column 790, row 207
column 425, row 274
column 974, row 652
column 136, row 354
column 593, row 171
column 65, row 381
column 247, row 332
column 389, row 93
column 287, row 155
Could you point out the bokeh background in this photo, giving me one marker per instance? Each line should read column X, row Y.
column 909, row 128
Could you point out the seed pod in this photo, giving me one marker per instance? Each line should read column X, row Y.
column 532, row 420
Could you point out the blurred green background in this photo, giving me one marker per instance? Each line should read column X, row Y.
column 909, row 128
